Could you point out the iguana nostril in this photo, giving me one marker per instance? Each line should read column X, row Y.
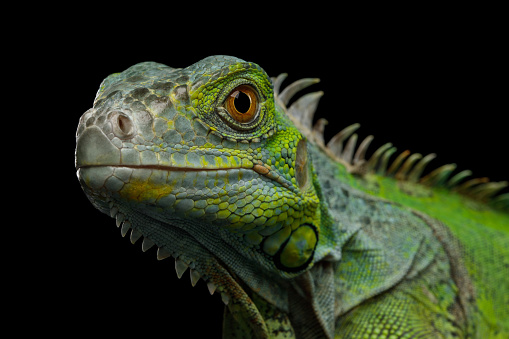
column 122, row 126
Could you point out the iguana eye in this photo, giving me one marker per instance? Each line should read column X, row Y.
column 242, row 104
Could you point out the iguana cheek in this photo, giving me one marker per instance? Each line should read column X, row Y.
column 292, row 251
column 299, row 248
column 274, row 242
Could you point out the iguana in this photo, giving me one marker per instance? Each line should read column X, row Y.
column 302, row 238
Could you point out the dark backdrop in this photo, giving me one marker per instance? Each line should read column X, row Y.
column 423, row 87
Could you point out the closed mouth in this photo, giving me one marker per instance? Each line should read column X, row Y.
column 159, row 167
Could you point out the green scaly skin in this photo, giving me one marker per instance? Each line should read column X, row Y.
column 298, row 244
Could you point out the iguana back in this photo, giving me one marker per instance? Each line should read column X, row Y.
column 474, row 236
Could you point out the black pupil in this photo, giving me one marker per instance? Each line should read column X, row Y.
column 242, row 102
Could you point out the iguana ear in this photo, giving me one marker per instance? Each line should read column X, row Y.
column 302, row 166
column 296, row 251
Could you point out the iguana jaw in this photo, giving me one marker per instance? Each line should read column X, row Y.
column 116, row 188
column 249, row 198
column 145, row 199
column 189, row 252
column 184, row 240
column 122, row 190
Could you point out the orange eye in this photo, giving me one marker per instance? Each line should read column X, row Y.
column 242, row 104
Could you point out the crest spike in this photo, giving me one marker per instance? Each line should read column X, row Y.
column 382, row 167
column 295, row 87
column 303, row 110
column 456, row 179
column 373, row 161
column 163, row 253
column 349, row 148
column 439, row 176
column 466, row 187
column 501, row 202
column 361, row 151
column 146, row 244
column 335, row 144
column 125, row 227
column 276, row 82
column 135, row 235
column 407, row 165
column 318, row 129
column 397, row 162
column 485, row 191
column 416, row 172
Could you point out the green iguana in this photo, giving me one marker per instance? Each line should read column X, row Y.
column 302, row 239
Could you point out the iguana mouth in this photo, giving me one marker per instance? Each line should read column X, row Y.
column 160, row 167
column 95, row 150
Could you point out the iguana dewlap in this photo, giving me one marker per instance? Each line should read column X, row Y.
column 302, row 239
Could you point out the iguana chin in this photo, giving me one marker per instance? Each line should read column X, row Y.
column 301, row 239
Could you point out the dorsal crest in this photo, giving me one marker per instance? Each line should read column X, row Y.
column 406, row 166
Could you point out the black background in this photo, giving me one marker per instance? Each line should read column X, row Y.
column 427, row 85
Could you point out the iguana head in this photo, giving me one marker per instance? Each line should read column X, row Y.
column 204, row 164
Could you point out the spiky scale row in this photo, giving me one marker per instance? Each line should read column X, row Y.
column 384, row 161
column 318, row 130
column 439, row 176
column 162, row 253
column 487, row 190
column 501, row 201
column 180, row 267
column 398, row 161
column 406, row 166
column 361, row 151
column 335, row 144
column 295, row 87
column 402, row 173
column 373, row 161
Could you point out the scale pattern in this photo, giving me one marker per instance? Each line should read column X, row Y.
column 302, row 238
